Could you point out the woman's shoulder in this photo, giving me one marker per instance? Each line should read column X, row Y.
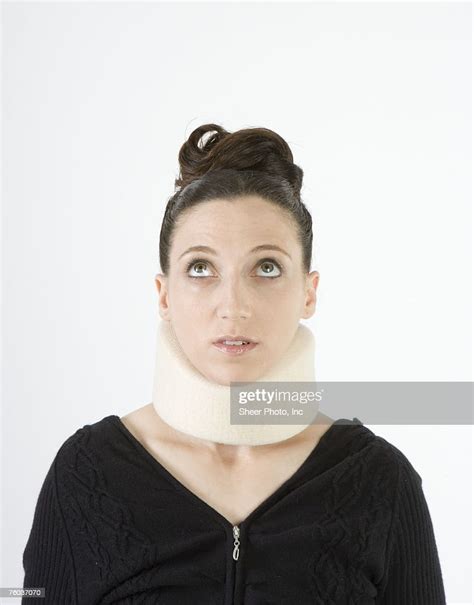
column 91, row 442
column 98, row 462
column 352, row 441
column 390, row 459
column 356, row 451
column 94, row 429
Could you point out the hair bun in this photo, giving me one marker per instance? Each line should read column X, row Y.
column 256, row 149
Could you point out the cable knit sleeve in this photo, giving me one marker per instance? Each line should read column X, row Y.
column 47, row 558
column 413, row 572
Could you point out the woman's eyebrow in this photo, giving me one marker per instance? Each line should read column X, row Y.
column 256, row 249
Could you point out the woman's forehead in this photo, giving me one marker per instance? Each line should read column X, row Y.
column 244, row 219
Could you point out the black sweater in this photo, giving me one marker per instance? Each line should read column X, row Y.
column 351, row 525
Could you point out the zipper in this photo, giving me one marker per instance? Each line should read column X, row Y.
column 236, row 533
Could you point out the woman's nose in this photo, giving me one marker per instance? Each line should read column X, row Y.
column 233, row 303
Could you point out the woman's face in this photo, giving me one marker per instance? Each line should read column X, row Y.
column 234, row 289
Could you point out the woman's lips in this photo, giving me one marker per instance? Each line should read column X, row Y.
column 235, row 349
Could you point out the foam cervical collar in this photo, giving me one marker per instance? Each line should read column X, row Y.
column 189, row 402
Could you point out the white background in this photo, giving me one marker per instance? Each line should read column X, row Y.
column 375, row 102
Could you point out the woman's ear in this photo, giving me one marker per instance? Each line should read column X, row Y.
column 309, row 306
column 161, row 283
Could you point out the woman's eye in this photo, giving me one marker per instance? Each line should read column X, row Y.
column 198, row 264
column 268, row 268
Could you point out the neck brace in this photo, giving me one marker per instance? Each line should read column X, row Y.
column 189, row 402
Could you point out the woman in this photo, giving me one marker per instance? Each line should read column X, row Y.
column 175, row 504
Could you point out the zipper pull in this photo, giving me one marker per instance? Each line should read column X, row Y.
column 236, row 532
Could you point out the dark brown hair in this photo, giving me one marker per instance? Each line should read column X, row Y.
column 250, row 161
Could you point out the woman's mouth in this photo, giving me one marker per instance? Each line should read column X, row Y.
column 234, row 347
